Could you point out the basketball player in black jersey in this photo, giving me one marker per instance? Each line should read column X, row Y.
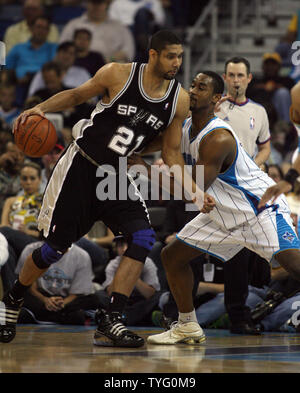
column 139, row 101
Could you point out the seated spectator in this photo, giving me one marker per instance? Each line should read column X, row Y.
column 21, row 212
column 143, row 17
column 113, row 40
column 28, row 58
column 145, row 296
column 8, row 109
column 11, row 162
column 272, row 87
column 64, row 293
column 72, row 76
column 21, row 31
column 85, row 58
column 53, row 77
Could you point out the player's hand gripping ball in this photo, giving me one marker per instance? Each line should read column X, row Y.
column 36, row 136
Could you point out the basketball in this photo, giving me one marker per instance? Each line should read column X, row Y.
column 36, row 137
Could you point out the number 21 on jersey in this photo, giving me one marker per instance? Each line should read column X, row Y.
column 123, row 138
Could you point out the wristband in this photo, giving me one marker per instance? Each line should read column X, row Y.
column 291, row 176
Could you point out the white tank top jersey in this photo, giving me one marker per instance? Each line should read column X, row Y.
column 239, row 189
column 253, row 130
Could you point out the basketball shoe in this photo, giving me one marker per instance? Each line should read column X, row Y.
column 186, row 333
column 111, row 332
column 9, row 312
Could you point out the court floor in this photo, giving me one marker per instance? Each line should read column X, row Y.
column 70, row 349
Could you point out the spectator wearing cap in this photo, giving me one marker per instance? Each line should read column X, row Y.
column 85, row 58
column 109, row 37
column 272, row 87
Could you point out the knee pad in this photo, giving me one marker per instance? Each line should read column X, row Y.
column 45, row 256
column 140, row 244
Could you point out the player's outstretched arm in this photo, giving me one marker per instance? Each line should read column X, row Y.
column 103, row 80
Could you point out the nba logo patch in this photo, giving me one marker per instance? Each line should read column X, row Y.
column 53, row 229
column 252, row 123
column 166, row 106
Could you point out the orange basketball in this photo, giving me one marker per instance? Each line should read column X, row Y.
column 36, row 137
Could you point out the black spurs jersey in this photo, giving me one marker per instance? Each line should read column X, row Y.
column 128, row 123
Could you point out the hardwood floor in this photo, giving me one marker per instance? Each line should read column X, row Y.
column 70, row 349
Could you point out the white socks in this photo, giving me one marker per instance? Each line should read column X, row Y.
column 187, row 317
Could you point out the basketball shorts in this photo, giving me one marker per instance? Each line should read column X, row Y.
column 267, row 234
column 71, row 203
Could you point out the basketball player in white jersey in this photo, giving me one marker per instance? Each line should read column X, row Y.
column 286, row 185
column 237, row 184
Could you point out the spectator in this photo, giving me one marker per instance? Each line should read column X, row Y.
column 28, row 58
column 8, row 109
column 53, row 77
column 113, row 40
column 21, row 212
column 21, row 31
column 145, row 296
column 72, row 76
column 143, row 17
column 64, row 293
column 272, row 87
column 10, row 165
column 85, row 58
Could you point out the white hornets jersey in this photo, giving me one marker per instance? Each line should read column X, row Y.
column 239, row 189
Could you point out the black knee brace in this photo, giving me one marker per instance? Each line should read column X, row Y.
column 140, row 244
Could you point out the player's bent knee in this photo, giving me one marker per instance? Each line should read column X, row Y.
column 141, row 244
column 45, row 256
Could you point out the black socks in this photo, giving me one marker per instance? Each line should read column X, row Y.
column 118, row 302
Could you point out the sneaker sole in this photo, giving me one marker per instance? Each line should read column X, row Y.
column 103, row 341
column 186, row 340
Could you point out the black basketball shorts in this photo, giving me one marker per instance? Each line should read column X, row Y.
column 71, row 204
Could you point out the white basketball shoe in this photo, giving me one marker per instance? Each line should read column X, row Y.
column 187, row 333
